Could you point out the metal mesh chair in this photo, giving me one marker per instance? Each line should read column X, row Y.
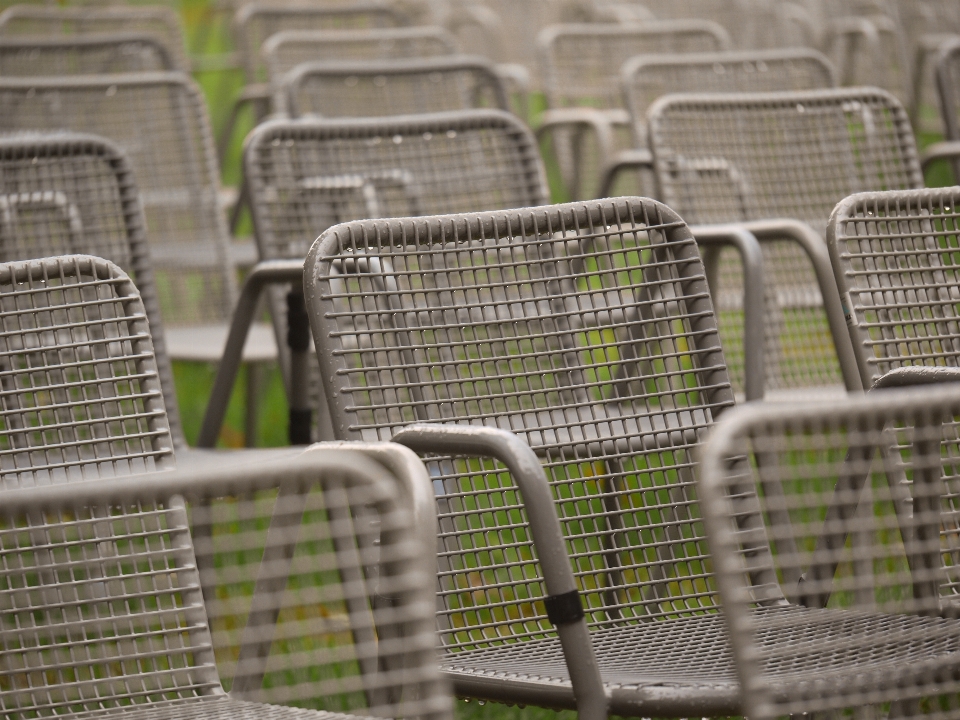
column 160, row 120
column 84, row 54
column 316, row 579
column 285, row 50
column 948, row 82
column 737, row 158
column 393, row 87
column 581, row 78
column 894, row 265
column 162, row 22
column 870, row 624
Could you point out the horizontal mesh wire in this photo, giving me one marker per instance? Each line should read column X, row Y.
column 95, row 54
column 321, row 599
column 839, row 505
column 587, row 330
column 255, row 22
column 948, row 80
column 287, row 49
column 794, row 155
column 81, row 395
column 160, row 121
column 394, row 87
column 160, row 22
column 581, row 63
column 63, row 194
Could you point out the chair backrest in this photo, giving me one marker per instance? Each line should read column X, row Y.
column 255, row 22
column 588, row 330
column 81, row 391
column 393, row 87
column 63, row 194
column 580, row 64
column 161, row 22
column 948, row 87
column 160, row 120
column 894, row 258
column 730, row 158
column 83, row 54
column 825, row 485
column 647, row 77
column 285, row 50
column 307, row 175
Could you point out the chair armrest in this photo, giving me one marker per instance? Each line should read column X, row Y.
column 916, row 375
column 634, row 159
column 947, row 150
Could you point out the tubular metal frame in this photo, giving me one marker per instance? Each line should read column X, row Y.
column 98, row 53
column 947, row 80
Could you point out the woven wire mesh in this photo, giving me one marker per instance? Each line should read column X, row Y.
column 587, row 330
column 850, row 506
column 255, row 22
column 285, row 50
column 394, row 87
column 34, row 21
column 64, row 194
column 92, row 54
column 795, row 155
column 81, row 393
column 160, row 121
column 948, row 87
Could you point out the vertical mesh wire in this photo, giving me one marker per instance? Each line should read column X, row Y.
column 94, row 54
column 287, row 49
column 587, row 330
column 65, row 194
column 257, row 21
column 948, row 82
column 161, row 22
column 160, row 121
column 850, row 498
column 795, row 155
column 81, row 393
column 394, row 87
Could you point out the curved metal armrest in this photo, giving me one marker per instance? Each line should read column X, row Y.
column 916, row 375
column 258, row 94
column 537, row 499
column 516, row 78
column 634, row 159
column 947, row 150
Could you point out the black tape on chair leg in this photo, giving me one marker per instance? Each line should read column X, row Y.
column 300, row 422
column 564, row 609
column 298, row 323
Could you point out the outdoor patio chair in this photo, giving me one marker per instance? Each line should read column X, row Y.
column 645, row 78
column 948, row 90
column 558, row 367
column 160, row 120
column 84, row 54
column 580, row 66
column 774, row 165
column 310, row 580
column 34, row 20
column 812, row 495
column 306, row 175
column 870, row 50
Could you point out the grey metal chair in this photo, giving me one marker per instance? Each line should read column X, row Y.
column 585, row 121
column 160, row 120
column 84, row 54
column 306, row 175
column 159, row 21
column 812, row 495
column 755, row 158
column 948, row 90
column 104, row 599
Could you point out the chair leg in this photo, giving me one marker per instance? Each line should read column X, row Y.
column 254, row 383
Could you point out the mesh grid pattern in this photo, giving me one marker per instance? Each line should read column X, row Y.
column 749, row 157
column 851, row 498
column 394, row 87
column 81, row 395
column 581, row 63
column 948, row 80
column 287, row 49
column 587, row 330
column 257, row 21
column 63, row 194
column 161, row 22
column 160, row 121
column 93, row 54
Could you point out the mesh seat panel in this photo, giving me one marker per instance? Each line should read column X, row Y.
column 734, row 158
column 160, row 121
column 395, row 87
column 289, row 48
column 85, row 54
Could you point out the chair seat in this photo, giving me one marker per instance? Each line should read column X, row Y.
column 685, row 666
column 205, row 343
column 217, row 707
